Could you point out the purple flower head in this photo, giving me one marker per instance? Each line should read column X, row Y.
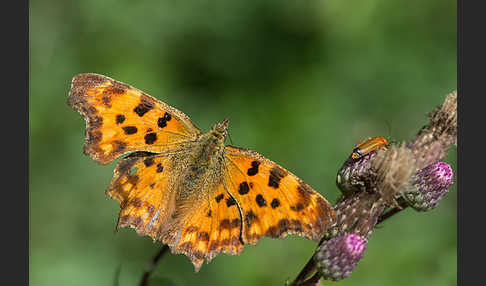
column 429, row 185
column 336, row 258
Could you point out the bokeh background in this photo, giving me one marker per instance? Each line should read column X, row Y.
column 301, row 81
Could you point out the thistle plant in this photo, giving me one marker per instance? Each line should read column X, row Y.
column 380, row 184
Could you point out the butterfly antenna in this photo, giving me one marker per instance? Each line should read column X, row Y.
column 229, row 136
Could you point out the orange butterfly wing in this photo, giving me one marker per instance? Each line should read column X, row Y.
column 121, row 119
column 140, row 186
column 273, row 201
column 144, row 186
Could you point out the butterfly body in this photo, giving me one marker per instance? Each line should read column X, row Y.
column 186, row 188
column 202, row 165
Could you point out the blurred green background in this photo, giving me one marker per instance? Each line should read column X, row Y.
column 301, row 81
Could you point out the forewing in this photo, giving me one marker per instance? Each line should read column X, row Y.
column 121, row 119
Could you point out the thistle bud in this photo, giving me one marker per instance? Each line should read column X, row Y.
column 336, row 258
column 429, row 185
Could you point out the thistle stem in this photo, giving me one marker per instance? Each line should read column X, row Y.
column 313, row 281
column 402, row 205
column 151, row 265
column 305, row 272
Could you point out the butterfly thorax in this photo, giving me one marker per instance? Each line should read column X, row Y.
column 211, row 145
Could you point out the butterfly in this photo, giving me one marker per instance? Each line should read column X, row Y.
column 185, row 188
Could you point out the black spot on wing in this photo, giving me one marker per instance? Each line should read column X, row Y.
column 243, row 188
column 260, row 200
column 230, row 201
column 167, row 116
column 120, row 118
column 130, row 130
column 150, row 138
column 162, row 121
column 276, row 174
column 275, row 203
column 143, row 107
column 254, row 168
column 219, row 198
